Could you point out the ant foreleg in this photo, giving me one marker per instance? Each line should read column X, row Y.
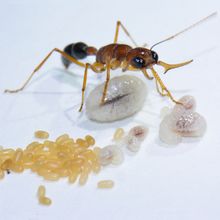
column 158, row 89
column 147, row 75
column 42, row 63
column 163, row 87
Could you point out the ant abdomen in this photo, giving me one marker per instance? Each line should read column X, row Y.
column 78, row 51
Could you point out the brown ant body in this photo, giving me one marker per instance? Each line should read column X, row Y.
column 113, row 56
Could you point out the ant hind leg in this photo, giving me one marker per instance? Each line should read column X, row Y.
column 84, row 86
column 42, row 63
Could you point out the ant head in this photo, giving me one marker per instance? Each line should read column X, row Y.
column 141, row 58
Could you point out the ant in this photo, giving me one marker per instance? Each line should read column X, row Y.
column 113, row 56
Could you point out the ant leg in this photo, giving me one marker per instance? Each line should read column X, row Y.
column 96, row 67
column 42, row 63
column 106, row 84
column 168, row 67
column 84, row 86
column 163, row 87
column 115, row 64
column 147, row 75
column 119, row 24
column 158, row 89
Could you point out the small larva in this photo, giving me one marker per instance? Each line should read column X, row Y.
column 118, row 135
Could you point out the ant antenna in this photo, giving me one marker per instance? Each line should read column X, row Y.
column 186, row 29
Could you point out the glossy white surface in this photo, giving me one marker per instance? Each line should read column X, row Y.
column 158, row 183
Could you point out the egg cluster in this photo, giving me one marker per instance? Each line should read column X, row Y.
column 64, row 157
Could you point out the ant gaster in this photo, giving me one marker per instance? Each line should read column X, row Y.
column 113, row 56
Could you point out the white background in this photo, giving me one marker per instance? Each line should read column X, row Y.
column 157, row 183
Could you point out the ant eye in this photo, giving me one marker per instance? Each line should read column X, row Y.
column 138, row 62
column 154, row 56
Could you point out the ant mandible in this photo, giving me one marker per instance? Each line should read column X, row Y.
column 113, row 56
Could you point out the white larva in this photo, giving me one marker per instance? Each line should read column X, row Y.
column 166, row 134
column 125, row 96
column 188, row 105
column 183, row 121
column 132, row 143
column 191, row 125
column 164, row 111
column 139, row 132
column 111, row 154
column 135, row 137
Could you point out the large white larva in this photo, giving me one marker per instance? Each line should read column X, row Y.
column 183, row 121
column 125, row 96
